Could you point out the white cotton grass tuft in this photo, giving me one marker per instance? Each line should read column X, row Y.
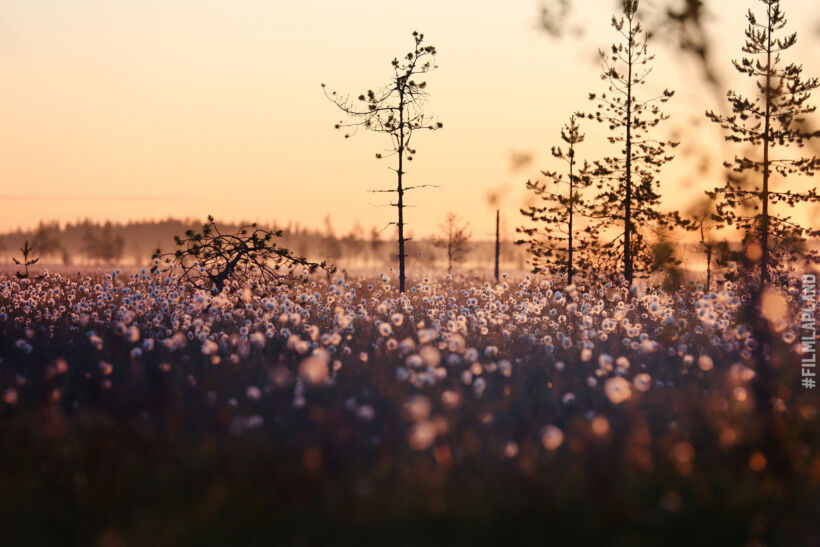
column 642, row 382
column 421, row 435
column 314, row 369
column 551, row 437
column 417, row 408
column 430, row 356
column 385, row 330
column 617, row 390
column 10, row 396
column 209, row 347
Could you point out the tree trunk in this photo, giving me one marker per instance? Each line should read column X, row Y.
column 450, row 250
column 764, row 228
column 571, row 206
column 497, row 241
column 708, row 248
column 762, row 385
column 708, row 268
column 628, row 175
column 400, row 190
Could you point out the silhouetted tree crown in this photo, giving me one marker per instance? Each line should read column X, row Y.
column 209, row 258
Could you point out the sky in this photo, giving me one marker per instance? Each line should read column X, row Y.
column 146, row 109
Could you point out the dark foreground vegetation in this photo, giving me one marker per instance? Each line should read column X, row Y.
column 137, row 411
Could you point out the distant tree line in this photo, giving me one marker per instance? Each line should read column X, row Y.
column 89, row 242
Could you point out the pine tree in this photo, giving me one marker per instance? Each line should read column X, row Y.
column 395, row 110
column 212, row 259
column 629, row 198
column 554, row 239
column 454, row 238
column 26, row 252
column 702, row 220
column 770, row 121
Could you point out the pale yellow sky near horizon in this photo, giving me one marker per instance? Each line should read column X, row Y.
column 127, row 110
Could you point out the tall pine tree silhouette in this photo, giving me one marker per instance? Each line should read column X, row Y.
column 554, row 237
column 772, row 120
column 395, row 109
column 628, row 200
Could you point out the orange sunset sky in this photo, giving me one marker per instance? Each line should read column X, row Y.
column 132, row 109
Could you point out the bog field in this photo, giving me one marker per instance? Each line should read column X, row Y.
column 409, row 274
column 140, row 411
